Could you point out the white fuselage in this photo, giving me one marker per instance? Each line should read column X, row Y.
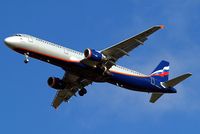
column 32, row 44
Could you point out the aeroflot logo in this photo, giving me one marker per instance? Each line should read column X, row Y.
column 163, row 72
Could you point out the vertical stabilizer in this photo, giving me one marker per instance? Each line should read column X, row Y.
column 161, row 72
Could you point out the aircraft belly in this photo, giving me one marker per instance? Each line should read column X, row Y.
column 135, row 83
column 73, row 66
column 87, row 72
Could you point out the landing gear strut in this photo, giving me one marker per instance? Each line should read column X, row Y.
column 105, row 71
column 26, row 58
column 82, row 92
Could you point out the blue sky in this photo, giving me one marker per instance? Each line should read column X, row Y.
column 25, row 97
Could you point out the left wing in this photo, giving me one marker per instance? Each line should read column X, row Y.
column 123, row 48
column 74, row 83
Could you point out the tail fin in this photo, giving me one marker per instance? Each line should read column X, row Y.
column 161, row 72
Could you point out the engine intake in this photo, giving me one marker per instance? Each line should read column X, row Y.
column 56, row 83
column 94, row 55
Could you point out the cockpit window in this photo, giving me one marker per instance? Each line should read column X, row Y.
column 18, row 35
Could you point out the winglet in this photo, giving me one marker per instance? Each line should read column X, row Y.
column 162, row 26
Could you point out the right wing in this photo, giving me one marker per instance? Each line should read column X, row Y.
column 74, row 83
column 117, row 51
column 123, row 48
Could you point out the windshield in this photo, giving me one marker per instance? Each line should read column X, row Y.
column 18, row 35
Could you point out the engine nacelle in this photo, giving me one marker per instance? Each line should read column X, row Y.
column 56, row 83
column 92, row 54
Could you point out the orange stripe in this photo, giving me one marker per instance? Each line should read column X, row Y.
column 129, row 74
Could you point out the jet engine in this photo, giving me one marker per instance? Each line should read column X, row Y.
column 56, row 83
column 94, row 55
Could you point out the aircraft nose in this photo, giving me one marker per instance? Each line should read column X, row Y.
column 10, row 41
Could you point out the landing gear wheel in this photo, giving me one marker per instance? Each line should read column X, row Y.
column 82, row 92
column 26, row 61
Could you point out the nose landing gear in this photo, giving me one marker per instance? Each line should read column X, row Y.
column 26, row 58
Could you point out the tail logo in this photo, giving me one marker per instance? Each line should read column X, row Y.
column 162, row 72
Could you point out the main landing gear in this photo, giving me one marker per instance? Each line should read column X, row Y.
column 82, row 92
column 26, row 58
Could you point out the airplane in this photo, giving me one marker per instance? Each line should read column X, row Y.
column 82, row 69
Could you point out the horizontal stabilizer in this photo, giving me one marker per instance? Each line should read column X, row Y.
column 155, row 97
column 173, row 82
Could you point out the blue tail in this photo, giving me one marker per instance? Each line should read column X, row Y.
column 161, row 72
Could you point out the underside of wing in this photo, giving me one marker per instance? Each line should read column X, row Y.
column 123, row 48
column 63, row 95
column 57, row 100
column 74, row 83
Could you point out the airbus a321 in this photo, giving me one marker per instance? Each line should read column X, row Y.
column 82, row 69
